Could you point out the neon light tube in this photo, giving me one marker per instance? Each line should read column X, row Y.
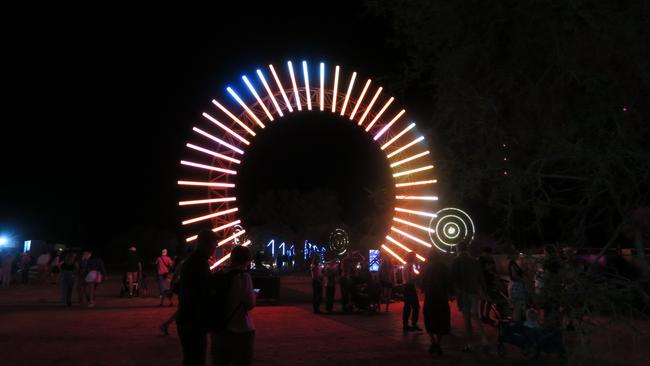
column 383, row 246
column 383, row 130
column 295, row 86
column 217, row 263
column 414, row 238
column 305, row 72
column 423, row 228
column 215, row 154
column 216, row 214
column 407, row 172
column 322, row 86
column 218, row 140
column 270, row 93
column 347, row 95
column 208, row 167
column 418, row 183
column 233, row 117
column 211, row 200
column 422, row 198
column 248, row 111
column 409, row 159
column 216, row 229
column 421, row 213
column 404, row 247
column 336, row 87
column 419, row 139
column 363, row 93
column 231, row 237
column 381, row 111
column 409, row 127
column 369, row 107
column 284, row 95
column 257, row 97
column 225, row 128
column 205, row 184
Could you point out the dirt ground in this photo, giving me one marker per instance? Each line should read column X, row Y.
column 36, row 330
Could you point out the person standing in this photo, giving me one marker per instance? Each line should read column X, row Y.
column 7, row 263
column 235, row 345
column 469, row 287
column 193, row 300
column 25, row 264
column 133, row 268
column 517, row 292
column 437, row 291
column 69, row 268
column 42, row 262
column 82, row 272
column 164, row 267
column 316, row 283
column 331, row 270
column 386, row 278
column 411, row 301
column 489, row 268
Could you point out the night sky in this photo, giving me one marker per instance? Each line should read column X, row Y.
column 103, row 100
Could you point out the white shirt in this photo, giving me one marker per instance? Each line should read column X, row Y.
column 240, row 301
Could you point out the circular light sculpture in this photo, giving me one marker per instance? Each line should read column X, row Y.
column 450, row 227
column 219, row 144
column 339, row 242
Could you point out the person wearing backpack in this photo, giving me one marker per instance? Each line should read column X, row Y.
column 193, row 300
column 233, row 337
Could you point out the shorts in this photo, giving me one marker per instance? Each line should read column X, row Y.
column 467, row 303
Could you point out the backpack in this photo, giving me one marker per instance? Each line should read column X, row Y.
column 217, row 300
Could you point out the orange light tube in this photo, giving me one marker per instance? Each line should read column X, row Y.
column 212, row 215
column 231, row 237
column 423, row 228
column 392, row 122
column 216, row 229
column 418, row 183
column 369, row 107
column 384, row 146
column 384, row 247
column 421, row 213
column 381, row 111
column 295, row 86
column 211, row 200
column 414, row 238
column 421, row 198
column 419, row 139
column 213, row 153
column 409, row 159
column 360, row 100
column 347, row 95
column 407, row 172
column 208, row 167
column 205, row 184
column 336, row 87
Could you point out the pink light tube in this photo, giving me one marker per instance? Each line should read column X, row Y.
column 384, row 247
column 369, row 107
column 418, row 183
column 421, row 198
column 212, row 153
column 421, row 213
column 383, row 130
column 216, row 229
column 409, row 159
column 322, row 87
column 347, row 95
column 208, row 167
column 295, row 86
column 233, row 117
column 270, row 93
column 306, row 77
column 423, row 228
column 336, row 87
column 211, row 200
column 405, row 130
column 231, row 237
column 407, row 172
column 225, row 128
column 419, row 139
column 241, row 103
column 414, row 238
column 284, row 95
column 257, row 97
column 212, row 215
column 363, row 93
column 218, row 140
column 381, row 111
column 205, row 184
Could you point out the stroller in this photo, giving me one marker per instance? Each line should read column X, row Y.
column 531, row 341
column 366, row 296
column 124, row 288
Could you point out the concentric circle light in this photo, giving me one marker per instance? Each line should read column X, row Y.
column 450, row 227
column 220, row 142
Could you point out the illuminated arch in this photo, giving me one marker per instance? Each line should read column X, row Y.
column 229, row 129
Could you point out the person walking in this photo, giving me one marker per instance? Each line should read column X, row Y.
column 164, row 267
column 469, row 288
column 489, row 268
column 236, row 344
column 96, row 274
column 82, row 272
column 133, row 269
column 316, row 282
column 193, row 300
column 411, row 301
column 386, row 278
column 69, row 269
column 437, row 291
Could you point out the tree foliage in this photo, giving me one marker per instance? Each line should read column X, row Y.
column 564, row 85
